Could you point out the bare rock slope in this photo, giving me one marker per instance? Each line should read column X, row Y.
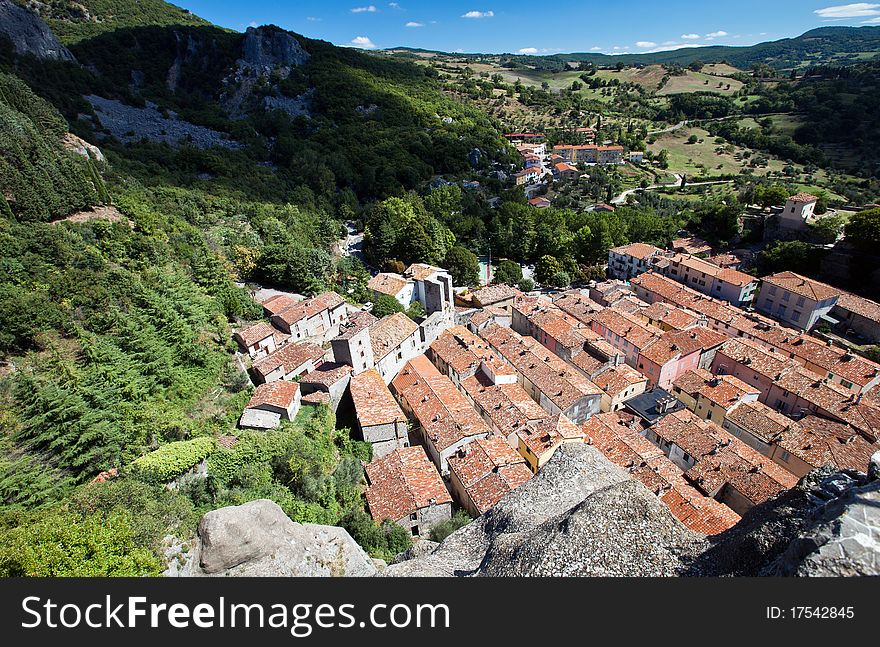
column 30, row 34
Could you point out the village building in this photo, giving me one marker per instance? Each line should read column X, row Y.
column 666, row 317
column 459, row 354
column 482, row 472
column 728, row 285
column 259, row 340
column 316, row 318
column 603, row 207
column 384, row 344
column 380, row 419
column 564, row 171
column 731, row 261
column 691, row 245
column 712, row 397
column 430, row 286
column 627, row 333
column 619, row 384
column 353, row 345
column 276, row 303
column 404, row 487
column 538, row 442
column 652, row 405
column 718, row 464
column 757, row 425
column 548, row 379
column 528, row 175
column 799, row 212
column 629, row 261
column 636, row 157
column 270, row 404
column 288, row 362
column 586, row 134
column 499, row 295
column 607, row 293
column 815, row 442
column 485, row 317
column 445, row 418
column 506, row 408
column 796, row 300
column 539, row 202
column 331, row 378
column 857, row 316
column 618, row 437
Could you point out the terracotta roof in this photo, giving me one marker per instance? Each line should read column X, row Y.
column 563, row 167
column 691, row 245
column 802, row 286
column 819, row 442
column 671, row 315
column 280, row 393
column 859, row 305
column 277, row 303
column 444, row 414
column 494, row 293
column 618, row 378
column 373, row 402
column 309, row 307
column 256, row 333
column 507, row 406
column 488, row 468
column 327, row 374
column 760, row 421
column 725, row 391
column 547, row 434
column 561, row 384
column 401, row 483
column 390, row 332
column 681, row 343
column 464, row 352
column 640, row 251
column 626, row 326
column 358, row 322
column 803, row 197
column 388, row 283
column 422, row 271
column 539, row 202
column 290, row 357
column 317, row 397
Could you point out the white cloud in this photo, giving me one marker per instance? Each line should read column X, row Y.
column 596, row 49
column 313, row 19
column 527, row 50
column 716, row 34
column 690, row 36
column 855, row 10
column 665, row 47
column 369, row 9
column 394, row 5
column 252, row 24
column 362, row 42
column 415, row 24
column 872, row 21
column 478, row 14
column 645, row 44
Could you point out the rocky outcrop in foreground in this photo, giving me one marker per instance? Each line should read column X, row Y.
column 30, row 34
column 258, row 540
column 582, row 516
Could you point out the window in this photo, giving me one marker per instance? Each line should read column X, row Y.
column 415, row 531
column 414, row 516
column 801, row 301
column 796, row 316
column 772, row 289
column 786, row 296
column 784, row 456
column 848, row 385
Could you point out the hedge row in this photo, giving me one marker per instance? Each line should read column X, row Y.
column 171, row 460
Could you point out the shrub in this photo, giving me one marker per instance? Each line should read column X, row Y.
column 171, row 460
column 445, row 528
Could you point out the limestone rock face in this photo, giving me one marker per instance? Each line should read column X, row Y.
column 257, row 539
column 30, row 34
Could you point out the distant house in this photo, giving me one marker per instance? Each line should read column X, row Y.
column 798, row 213
column 603, row 208
column 726, row 284
column 586, row 134
column 539, row 202
column 858, row 315
column 538, row 442
column 288, row 362
column 619, row 384
column 610, row 155
column 814, row 442
column 498, row 296
column 528, row 176
column 384, row 344
column 652, row 405
column 270, row 404
column 563, row 171
column 430, row 286
column 691, row 245
column 712, row 397
column 379, row 417
column 258, row 340
column 637, row 157
column 404, row 487
column 796, row 300
column 482, row 472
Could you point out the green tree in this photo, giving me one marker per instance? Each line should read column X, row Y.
column 863, row 230
column 386, row 305
column 463, row 265
column 508, row 272
column 546, row 268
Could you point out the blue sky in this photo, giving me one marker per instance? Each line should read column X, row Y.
column 539, row 26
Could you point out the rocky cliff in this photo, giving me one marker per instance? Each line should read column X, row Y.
column 258, row 540
column 583, row 516
column 30, row 34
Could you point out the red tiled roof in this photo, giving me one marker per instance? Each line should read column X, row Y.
column 373, row 402
column 280, row 393
column 290, row 357
column 488, row 469
column 401, row 483
column 256, row 333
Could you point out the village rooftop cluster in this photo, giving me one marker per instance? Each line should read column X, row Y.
column 708, row 385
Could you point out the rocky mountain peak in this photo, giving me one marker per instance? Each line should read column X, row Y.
column 30, row 34
column 265, row 49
